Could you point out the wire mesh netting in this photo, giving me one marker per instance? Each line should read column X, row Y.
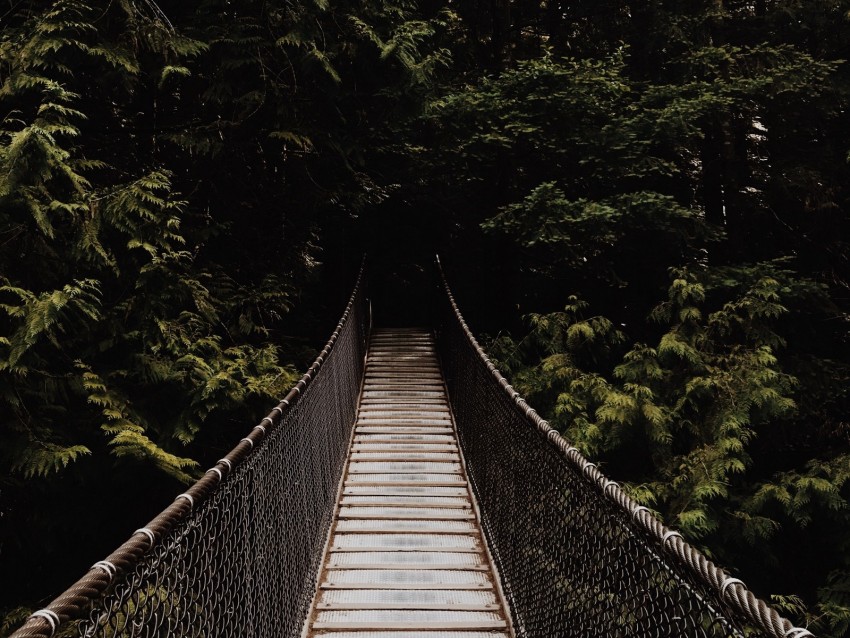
column 572, row 562
column 239, row 553
column 244, row 561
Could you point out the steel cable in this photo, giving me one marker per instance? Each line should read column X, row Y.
column 238, row 553
column 576, row 555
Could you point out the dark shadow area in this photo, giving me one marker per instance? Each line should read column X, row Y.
column 402, row 292
column 401, row 238
column 400, row 250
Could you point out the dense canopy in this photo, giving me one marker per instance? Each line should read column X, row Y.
column 643, row 204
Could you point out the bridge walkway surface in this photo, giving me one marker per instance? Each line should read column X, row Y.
column 406, row 557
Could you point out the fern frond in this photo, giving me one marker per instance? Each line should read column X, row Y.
column 41, row 459
column 299, row 141
column 132, row 443
column 47, row 314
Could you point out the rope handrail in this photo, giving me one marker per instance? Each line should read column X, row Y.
column 74, row 601
column 667, row 543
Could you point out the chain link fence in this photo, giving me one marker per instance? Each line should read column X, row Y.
column 576, row 556
column 238, row 554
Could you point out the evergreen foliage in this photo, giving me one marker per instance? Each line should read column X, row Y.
column 166, row 174
column 647, row 199
column 612, row 152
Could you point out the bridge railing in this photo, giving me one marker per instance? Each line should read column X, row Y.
column 576, row 556
column 239, row 552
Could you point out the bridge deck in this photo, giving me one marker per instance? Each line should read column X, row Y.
column 406, row 557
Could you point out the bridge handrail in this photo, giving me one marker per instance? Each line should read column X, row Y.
column 668, row 542
column 72, row 603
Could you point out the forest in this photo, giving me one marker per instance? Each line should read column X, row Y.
column 641, row 207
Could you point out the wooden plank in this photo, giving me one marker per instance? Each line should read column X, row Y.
column 423, row 408
column 406, row 558
column 371, row 584
column 398, row 513
column 393, row 527
column 403, row 428
column 434, row 566
column 362, row 448
column 371, row 420
column 440, row 402
column 501, row 624
column 386, row 500
column 383, row 548
column 409, row 619
column 493, row 607
column 412, row 440
column 414, row 634
column 418, row 627
column 394, row 456
column 394, row 490
column 408, row 483
column 409, row 367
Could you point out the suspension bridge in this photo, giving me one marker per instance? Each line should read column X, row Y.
column 403, row 489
